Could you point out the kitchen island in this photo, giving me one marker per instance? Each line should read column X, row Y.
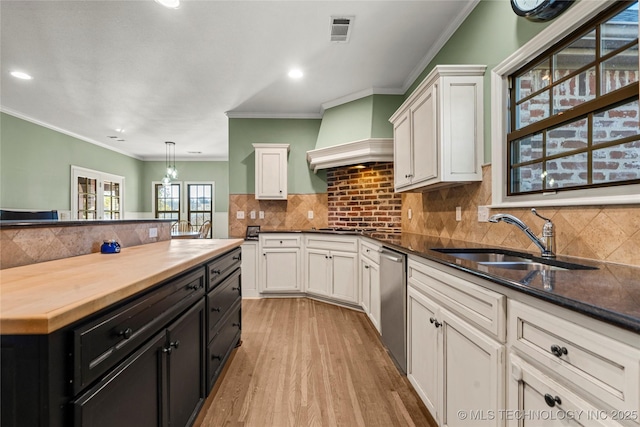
column 88, row 338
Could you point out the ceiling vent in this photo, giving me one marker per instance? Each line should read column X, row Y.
column 341, row 28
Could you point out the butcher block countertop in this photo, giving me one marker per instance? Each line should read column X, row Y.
column 41, row 298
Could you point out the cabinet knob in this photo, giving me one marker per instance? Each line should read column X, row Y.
column 171, row 346
column 280, row 241
column 552, row 400
column 280, row 191
column 558, row 351
column 435, row 322
column 366, row 266
column 126, row 333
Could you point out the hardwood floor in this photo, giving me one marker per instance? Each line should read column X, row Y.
column 308, row 363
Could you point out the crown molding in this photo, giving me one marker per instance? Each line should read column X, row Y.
column 351, row 153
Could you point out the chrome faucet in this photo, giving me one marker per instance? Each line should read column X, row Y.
column 546, row 243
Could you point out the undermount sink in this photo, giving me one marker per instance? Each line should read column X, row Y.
column 511, row 260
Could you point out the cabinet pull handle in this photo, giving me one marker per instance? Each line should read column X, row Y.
column 236, row 289
column 558, row 351
column 126, row 333
column 552, row 400
column 237, row 325
column 216, row 309
column 236, row 258
column 171, row 346
column 214, row 357
column 435, row 322
column 216, row 271
column 194, row 287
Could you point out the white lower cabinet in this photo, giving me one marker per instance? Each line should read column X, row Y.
column 536, row 400
column 457, row 370
column 370, row 294
column 331, row 267
column 280, row 263
column 250, row 268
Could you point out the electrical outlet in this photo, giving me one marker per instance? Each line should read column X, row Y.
column 309, row 214
column 409, row 213
column 153, row 232
column 261, row 214
column 252, row 214
column 458, row 213
column 483, row 214
column 240, row 215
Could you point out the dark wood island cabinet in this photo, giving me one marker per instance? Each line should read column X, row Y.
column 146, row 360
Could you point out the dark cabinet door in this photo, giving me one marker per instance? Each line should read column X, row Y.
column 185, row 366
column 129, row 395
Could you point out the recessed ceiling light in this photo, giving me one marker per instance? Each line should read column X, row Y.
column 296, row 74
column 171, row 4
column 21, row 75
column 119, row 130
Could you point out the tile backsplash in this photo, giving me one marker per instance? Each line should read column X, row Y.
column 607, row 233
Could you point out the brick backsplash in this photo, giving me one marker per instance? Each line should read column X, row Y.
column 363, row 197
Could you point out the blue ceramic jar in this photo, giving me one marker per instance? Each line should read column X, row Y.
column 110, row 247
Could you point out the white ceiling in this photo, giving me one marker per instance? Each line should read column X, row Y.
column 172, row 75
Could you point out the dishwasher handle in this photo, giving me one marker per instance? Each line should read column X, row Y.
column 388, row 256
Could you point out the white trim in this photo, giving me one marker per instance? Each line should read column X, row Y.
column 100, row 177
column 439, row 44
column 351, row 153
column 66, row 132
column 573, row 18
column 359, row 95
column 257, row 115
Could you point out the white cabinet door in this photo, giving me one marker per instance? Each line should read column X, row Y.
column 318, row 271
column 425, row 136
column 345, row 276
column 422, row 349
column 281, row 270
column 402, row 154
column 472, row 373
column 374, row 290
column 271, row 171
column 365, row 288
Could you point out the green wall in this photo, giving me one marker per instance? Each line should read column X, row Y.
column 35, row 169
column 36, row 166
column 191, row 171
column 488, row 36
column 301, row 134
column 363, row 118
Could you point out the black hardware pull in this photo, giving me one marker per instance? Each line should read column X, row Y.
column 236, row 258
column 216, row 271
column 237, row 325
column 558, row 351
column 551, row 400
column 214, row 357
column 435, row 322
column 280, row 241
column 171, row 346
column 194, row 287
column 366, row 266
column 235, row 289
column 216, row 309
column 126, row 333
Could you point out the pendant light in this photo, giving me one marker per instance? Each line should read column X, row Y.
column 170, row 163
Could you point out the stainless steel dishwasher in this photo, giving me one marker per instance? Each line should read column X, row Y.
column 393, row 305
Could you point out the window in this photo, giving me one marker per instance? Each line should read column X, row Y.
column 200, row 204
column 96, row 195
column 193, row 201
column 571, row 99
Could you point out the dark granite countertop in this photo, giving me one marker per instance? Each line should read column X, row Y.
column 610, row 294
column 59, row 223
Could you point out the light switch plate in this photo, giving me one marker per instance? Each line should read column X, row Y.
column 261, row 214
column 483, row 214
column 309, row 214
column 240, row 215
column 458, row 213
column 252, row 214
column 409, row 213
column 153, row 232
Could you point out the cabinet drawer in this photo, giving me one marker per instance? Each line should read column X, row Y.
column 220, row 267
column 332, row 243
column 223, row 342
column 280, row 241
column 370, row 251
column 101, row 344
column 596, row 364
column 481, row 307
column 222, row 298
column 533, row 393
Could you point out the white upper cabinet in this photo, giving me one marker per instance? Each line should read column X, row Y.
column 271, row 171
column 438, row 130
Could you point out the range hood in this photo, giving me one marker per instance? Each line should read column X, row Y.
column 351, row 153
column 355, row 132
